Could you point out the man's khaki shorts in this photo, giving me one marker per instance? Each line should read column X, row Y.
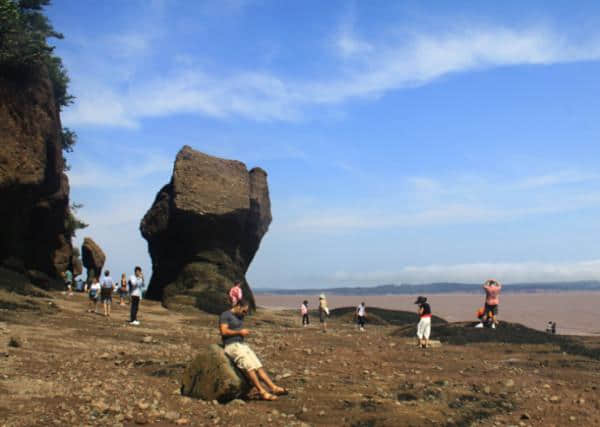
column 243, row 356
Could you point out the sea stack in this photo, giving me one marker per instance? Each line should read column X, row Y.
column 204, row 229
column 34, row 190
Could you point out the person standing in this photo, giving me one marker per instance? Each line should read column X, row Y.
column 93, row 294
column 424, row 326
column 136, row 283
column 122, row 289
column 304, row 312
column 68, row 277
column 235, row 293
column 361, row 315
column 492, row 300
column 106, row 289
column 232, row 334
column 323, row 312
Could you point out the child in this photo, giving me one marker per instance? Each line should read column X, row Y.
column 235, row 293
column 361, row 314
column 94, row 293
column 424, row 326
column 304, row 312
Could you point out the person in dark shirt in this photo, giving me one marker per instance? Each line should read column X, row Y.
column 424, row 326
column 232, row 334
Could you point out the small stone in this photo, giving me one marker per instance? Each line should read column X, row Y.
column 321, row 413
column 286, row 375
column 147, row 339
column 509, row 383
column 171, row 416
column 182, row 421
column 105, row 356
column 143, row 405
column 140, row 419
column 554, row 399
column 525, row 416
column 572, row 418
column 237, row 402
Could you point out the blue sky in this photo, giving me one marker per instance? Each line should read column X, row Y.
column 404, row 142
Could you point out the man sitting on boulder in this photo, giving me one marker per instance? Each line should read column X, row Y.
column 232, row 333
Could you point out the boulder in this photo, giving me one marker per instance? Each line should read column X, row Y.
column 204, row 229
column 213, row 376
column 33, row 187
column 93, row 258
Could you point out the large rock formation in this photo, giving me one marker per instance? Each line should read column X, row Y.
column 93, row 258
column 204, row 229
column 33, row 188
column 212, row 376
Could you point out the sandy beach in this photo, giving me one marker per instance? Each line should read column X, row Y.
column 574, row 312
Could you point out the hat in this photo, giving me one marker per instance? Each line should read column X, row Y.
column 322, row 296
column 420, row 300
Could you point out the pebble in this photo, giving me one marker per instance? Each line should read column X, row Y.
column 509, row 383
column 182, row 421
column 554, row 399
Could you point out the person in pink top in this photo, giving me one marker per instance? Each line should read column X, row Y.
column 492, row 299
column 304, row 312
column 235, row 293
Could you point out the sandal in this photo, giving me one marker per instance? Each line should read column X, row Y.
column 280, row 391
column 265, row 395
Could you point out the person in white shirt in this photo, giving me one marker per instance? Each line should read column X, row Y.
column 93, row 294
column 136, row 283
column 361, row 314
column 106, row 289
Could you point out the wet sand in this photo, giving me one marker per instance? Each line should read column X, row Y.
column 576, row 313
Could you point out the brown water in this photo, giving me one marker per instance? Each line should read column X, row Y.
column 575, row 313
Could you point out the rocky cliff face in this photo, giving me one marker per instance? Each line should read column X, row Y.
column 204, row 229
column 33, row 188
column 93, row 258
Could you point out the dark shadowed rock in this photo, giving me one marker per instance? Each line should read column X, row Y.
column 212, row 376
column 93, row 258
column 34, row 191
column 204, row 229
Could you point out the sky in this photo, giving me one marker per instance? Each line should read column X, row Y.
column 405, row 142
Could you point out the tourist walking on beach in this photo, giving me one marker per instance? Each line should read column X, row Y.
column 93, row 295
column 106, row 289
column 122, row 291
column 232, row 334
column 492, row 300
column 235, row 293
column 361, row 315
column 323, row 312
column 136, row 283
column 68, row 278
column 424, row 326
column 304, row 312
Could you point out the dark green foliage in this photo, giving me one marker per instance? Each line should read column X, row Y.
column 24, row 34
column 72, row 223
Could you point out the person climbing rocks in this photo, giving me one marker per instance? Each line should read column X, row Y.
column 106, row 289
column 361, row 316
column 492, row 300
column 136, row 283
column 304, row 312
column 232, row 334
column 323, row 312
column 424, row 326
column 235, row 293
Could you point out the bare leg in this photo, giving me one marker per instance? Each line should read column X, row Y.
column 262, row 374
column 256, row 383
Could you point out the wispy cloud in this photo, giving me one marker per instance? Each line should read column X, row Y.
column 129, row 172
column 412, row 60
column 428, row 201
column 475, row 273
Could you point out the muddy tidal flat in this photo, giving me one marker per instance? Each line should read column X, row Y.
column 576, row 313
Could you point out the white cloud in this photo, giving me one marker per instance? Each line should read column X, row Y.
column 132, row 170
column 259, row 95
column 476, row 273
